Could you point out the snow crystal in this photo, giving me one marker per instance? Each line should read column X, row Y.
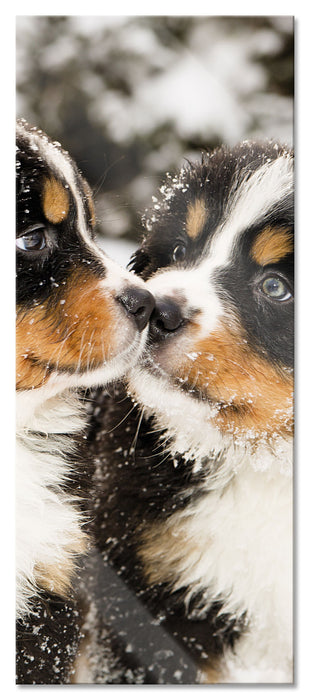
column 178, row 675
column 192, row 355
column 163, row 654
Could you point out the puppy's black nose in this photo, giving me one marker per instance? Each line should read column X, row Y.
column 139, row 304
column 166, row 319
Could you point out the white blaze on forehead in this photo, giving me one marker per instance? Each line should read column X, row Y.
column 249, row 203
column 55, row 157
column 117, row 278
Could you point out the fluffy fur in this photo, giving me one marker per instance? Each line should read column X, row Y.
column 80, row 322
column 195, row 470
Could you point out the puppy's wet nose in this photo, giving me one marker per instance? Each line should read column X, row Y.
column 139, row 304
column 166, row 319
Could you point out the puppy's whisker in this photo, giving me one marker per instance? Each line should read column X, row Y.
column 90, row 349
column 155, row 466
column 61, row 344
column 121, row 421
column 81, row 351
column 134, row 442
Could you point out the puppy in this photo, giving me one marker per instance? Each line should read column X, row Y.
column 81, row 322
column 195, row 472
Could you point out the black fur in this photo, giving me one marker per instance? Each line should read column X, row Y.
column 136, row 485
column 47, row 642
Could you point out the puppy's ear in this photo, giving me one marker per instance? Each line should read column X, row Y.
column 139, row 262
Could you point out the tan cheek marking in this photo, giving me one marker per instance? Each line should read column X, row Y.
column 250, row 394
column 196, row 218
column 90, row 202
column 78, row 334
column 272, row 245
column 28, row 374
column 55, row 200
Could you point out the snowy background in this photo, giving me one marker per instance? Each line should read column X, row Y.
column 131, row 97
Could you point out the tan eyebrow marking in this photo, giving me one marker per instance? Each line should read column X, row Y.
column 272, row 245
column 55, row 200
column 196, row 218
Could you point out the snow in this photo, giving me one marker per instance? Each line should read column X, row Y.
column 57, row 54
column 88, row 25
column 203, row 88
column 210, row 85
column 189, row 94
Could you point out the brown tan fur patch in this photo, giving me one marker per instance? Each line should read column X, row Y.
column 84, row 664
column 196, row 218
column 74, row 333
column 167, row 550
column 214, row 672
column 55, row 200
column 248, row 392
column 57, row 577
column 272, row 245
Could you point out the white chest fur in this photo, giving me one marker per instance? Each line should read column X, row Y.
column 239, row 549
column 48, row 523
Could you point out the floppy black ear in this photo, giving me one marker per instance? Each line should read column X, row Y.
column 138, row 261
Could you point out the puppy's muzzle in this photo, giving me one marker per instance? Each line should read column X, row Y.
column 138, row 304
column 166, row 319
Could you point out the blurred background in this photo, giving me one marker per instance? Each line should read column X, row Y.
column 131, row 97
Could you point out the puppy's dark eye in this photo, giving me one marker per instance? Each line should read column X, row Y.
column 179, row 253
column 34, row 239
column 276, row 289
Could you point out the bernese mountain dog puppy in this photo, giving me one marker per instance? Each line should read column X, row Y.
column 81, row 322
column 193, row 482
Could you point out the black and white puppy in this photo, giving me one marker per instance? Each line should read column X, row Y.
column 81, row 322
column 195, row 470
